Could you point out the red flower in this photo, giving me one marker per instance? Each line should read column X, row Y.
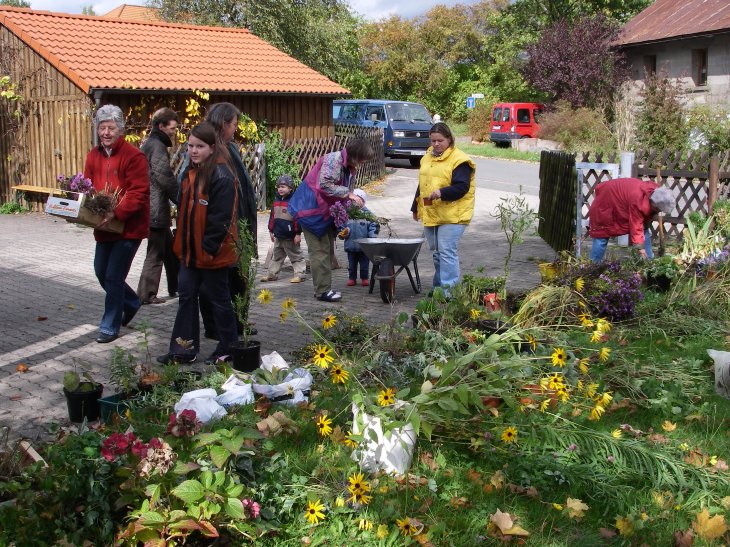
column 139, row 449
column 116, row 444
column 185, row 424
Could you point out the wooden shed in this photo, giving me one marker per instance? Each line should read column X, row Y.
column 61, row 67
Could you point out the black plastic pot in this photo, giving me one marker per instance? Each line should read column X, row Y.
column 246, row 358
column 658, row 283
column 83, row 403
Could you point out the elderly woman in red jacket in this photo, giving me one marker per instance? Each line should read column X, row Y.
column 626, row 206
column 117, row 166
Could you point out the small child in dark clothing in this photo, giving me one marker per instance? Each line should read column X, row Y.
column 285, row 234
column 359, row 228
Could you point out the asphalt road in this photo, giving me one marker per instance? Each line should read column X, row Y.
column 499, row 175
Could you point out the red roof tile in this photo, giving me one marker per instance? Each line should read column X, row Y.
column 667, row 19
column 101, row 53
column 134, row 13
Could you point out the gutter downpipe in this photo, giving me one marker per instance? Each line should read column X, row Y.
column 96, row 94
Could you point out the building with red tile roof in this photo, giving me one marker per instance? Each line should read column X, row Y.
column 66, row 65
column 687, row 40
column 134, row 13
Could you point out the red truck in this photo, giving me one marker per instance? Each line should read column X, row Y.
column 514, row 121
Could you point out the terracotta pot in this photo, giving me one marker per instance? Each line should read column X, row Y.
column 492, row 302
column 539, row 395
column 492, row 402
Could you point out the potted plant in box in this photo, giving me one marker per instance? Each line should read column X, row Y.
column 245, row 353
column 82, row 396
column 89, row 206
column 660, row 272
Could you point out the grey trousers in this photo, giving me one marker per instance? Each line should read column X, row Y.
column 282, row 249
column 320, row 262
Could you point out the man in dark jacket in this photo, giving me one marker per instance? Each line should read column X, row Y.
column 163, row 189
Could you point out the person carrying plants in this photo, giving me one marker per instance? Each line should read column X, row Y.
column 205, row 242
column 116, row 166
column 359, row 228
column 330, row 180
column 626, row 206
column 444, row 202
column 285, row 234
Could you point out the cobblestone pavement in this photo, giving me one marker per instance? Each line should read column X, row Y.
column 51, row 303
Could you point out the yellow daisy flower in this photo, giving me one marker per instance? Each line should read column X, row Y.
column 365, row 524
column 339, row 501
column 605, row 399
column 382, row 531
column 265, row 296
column 386, row 397
column 557, row 507
column 283, row 316
column 324, row 425
column 558, row 357
column 544, row 405
column 604, row 354
column 603, row 326
column 616, row 433
column 684, row 447
column 348, row 441
column 289, row 304
column 361, row 498
column 591, row 390
column 509, row 435
column 339, row 374
column 563, row 394
column 532, row 341
column 329, row 321
column 313, row 512
column 597, row 412
column 475, row 313
column 596, row 336
column 322, row 357
column 583, row 365
column 555, row 381
column 580, row 284
column 358, row 483
column 405, row 526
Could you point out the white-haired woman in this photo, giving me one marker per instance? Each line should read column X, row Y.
column 116, row 166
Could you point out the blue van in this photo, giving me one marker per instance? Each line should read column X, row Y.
column 405, row 125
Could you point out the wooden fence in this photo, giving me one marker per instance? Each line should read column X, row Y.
column 696, row 179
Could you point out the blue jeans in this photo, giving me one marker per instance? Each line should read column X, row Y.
column 598, row 248
column 187, row 326
column 444, row 243
column 355, row 258
column 112, row 261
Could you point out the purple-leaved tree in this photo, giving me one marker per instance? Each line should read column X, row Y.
column 577, row 62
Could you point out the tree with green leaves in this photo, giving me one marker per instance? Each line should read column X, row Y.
column 88, row 10
column 15, row 3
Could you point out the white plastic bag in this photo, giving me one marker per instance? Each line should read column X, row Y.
column 236, row 392
column 274, row 360
column 722, row 371
column 203, row 402
column 391, row 452
column 293, row 390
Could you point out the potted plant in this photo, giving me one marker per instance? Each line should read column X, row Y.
column 660, row 272
column 82, row 396
column 246, row 353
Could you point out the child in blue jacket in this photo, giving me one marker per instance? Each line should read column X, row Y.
column 359, row 228
column 285, row 234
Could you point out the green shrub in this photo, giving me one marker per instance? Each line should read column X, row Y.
column 661, row 118
column 711, row 127
column 577, row 129
column 279, row 161
column 479, row 121
column 11, row 208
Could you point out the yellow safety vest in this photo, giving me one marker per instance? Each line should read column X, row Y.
column 436, row 173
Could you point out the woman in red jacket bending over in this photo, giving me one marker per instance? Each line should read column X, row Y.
column 205, row 242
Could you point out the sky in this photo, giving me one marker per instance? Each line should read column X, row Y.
column 370, row 9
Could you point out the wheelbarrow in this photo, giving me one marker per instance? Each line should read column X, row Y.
column 387, row 255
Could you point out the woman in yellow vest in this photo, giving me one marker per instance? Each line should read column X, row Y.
column 444, row 202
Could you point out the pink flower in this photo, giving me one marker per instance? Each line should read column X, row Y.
column 185, row 424
column 139, row 449
column 252, row 507
column 116, row 444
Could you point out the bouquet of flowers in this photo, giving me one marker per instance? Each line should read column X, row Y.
column 343, row 211
column 77, row 183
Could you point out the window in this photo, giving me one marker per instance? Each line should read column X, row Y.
column 649, row 65
column 350, row 112
column 699, row 66
column 505, row 115
column 496, row 114
column 523, row 115
column 375, row 114
column 536, row 113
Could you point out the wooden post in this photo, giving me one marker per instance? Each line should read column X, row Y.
column 713, row 182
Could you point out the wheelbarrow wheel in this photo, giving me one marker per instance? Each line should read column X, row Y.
column 387, row 286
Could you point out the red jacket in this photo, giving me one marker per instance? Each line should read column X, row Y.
column 126, row 170
column 621, row 206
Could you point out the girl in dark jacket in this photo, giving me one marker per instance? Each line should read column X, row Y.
column 205, row 242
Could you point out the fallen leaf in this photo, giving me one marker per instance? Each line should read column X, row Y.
column 262, row 407
column 530, row 492
column 71, row 307
column 576, row 508
column 657, row 438
column 725, row 502
column 41, row 318
column 459, row 502
column 624, row 526
column 506, row 524
column 22, row 367
column 426, row 505
column 696, row 458
column 694, row 418
column 668, row 426
column 306, row 540
column 607, row 533
column 337, row 436
column 683, row 539
column 497, row 480
column 721, row 465
column 709, row 527
column 474, row 476
column 663, row 500
column 428, row 461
